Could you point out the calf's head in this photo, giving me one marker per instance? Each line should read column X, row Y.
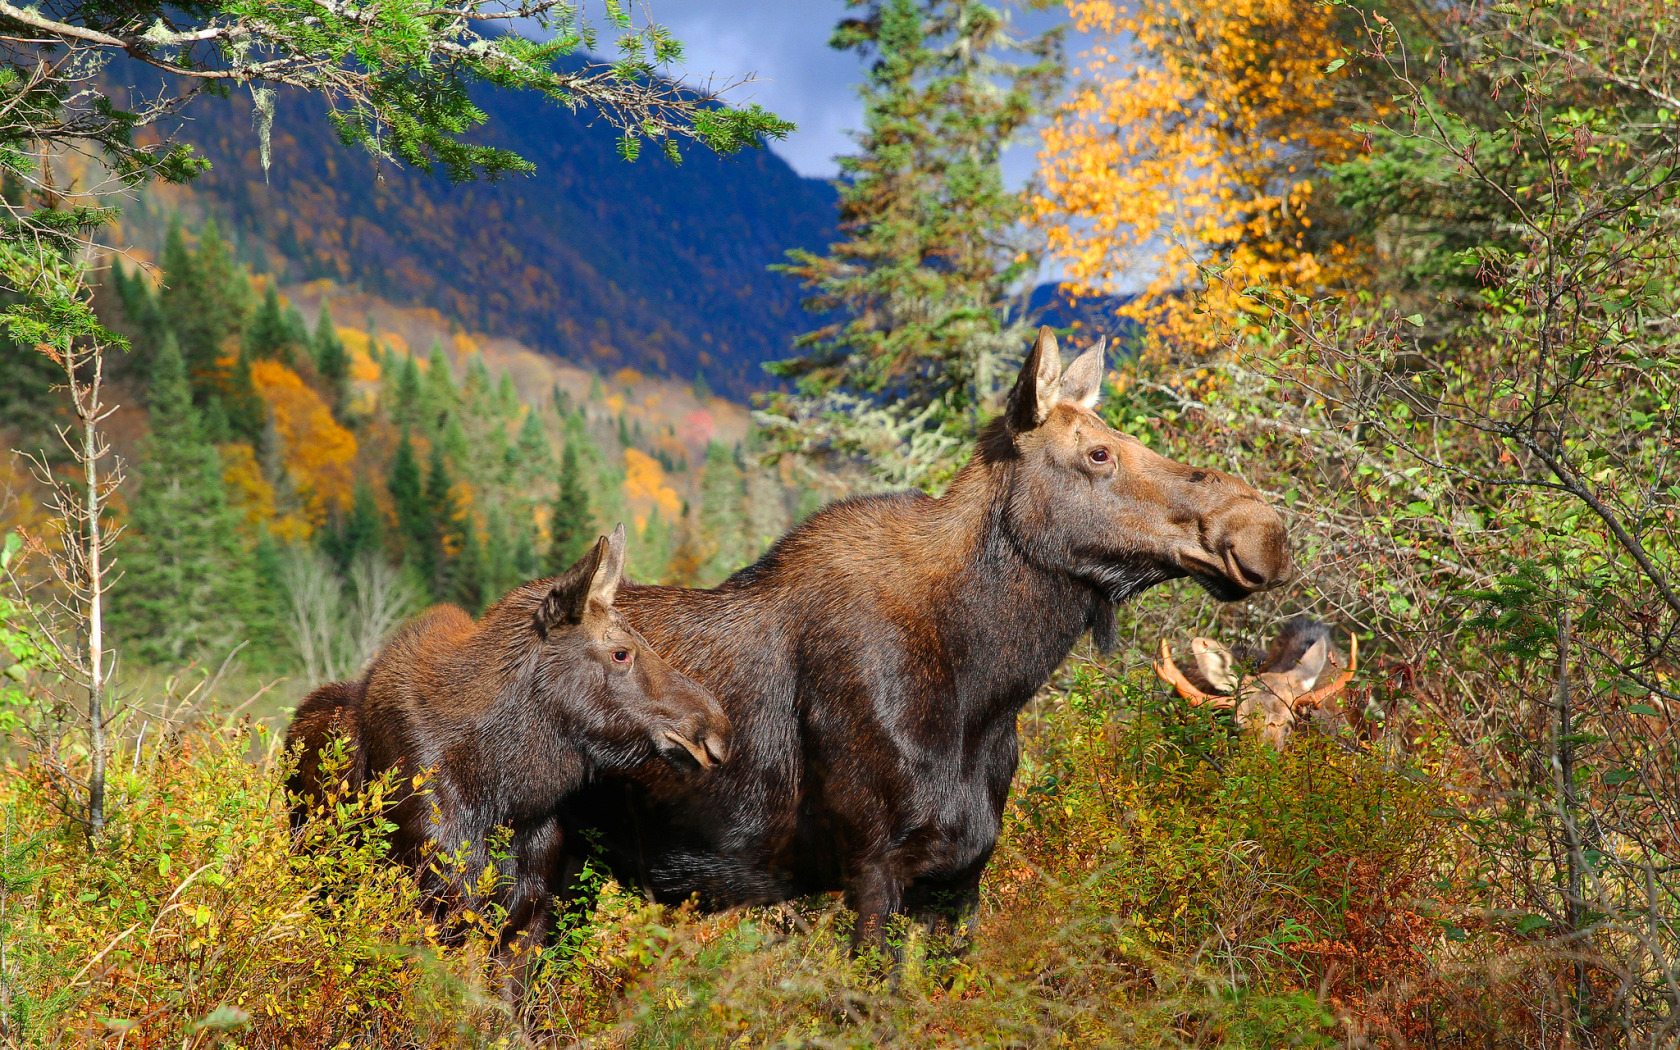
column 613, row 694
column 1099, row 505
column 1273, row 699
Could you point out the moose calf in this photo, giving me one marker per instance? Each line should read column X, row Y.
column 508, row 716
column 1279, row 696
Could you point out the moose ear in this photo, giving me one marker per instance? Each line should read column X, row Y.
column 1306, row 670
column 1215, row 663
column 609, row 572
column 1082, row 382
column 567, row 600
column 1035, row 388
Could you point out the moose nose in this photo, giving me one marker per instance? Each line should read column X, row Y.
column 1256, row 549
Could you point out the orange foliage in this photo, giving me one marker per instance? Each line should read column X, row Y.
column 252, row 498
column 316, row 450
column 1202, row 150
column 644, row 482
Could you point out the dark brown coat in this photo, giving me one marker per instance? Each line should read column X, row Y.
column 506, row 717
column 873, row 661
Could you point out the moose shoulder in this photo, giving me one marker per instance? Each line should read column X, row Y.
column 874, row 660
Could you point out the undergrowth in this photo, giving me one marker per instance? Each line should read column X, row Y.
column 1160, row 882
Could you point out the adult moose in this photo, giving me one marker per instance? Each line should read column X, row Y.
column 874, row 660
column 508, row 715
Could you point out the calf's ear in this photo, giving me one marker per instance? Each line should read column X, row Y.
column 568, row 600
column 1216, row 664
column 1304, row 675
column 1035, row 388
column 1082, row 382
column 609, row 572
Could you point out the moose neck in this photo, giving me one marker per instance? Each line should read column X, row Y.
column 1010, row 622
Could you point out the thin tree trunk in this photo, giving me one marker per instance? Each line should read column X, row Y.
column 95, row 612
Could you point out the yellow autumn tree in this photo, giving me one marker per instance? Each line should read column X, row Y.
column 1197, row 144
column 316, row 450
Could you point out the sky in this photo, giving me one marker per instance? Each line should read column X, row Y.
column 799, row 77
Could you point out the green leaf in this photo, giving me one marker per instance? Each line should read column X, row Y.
column 1416, row 320
column 1530, row 923
column 223, row 1018
column 1335, row 65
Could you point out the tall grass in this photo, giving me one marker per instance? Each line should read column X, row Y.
column 1160, row 882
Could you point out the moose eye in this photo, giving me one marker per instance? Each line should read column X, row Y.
column 1099, row 455
column 621, row 656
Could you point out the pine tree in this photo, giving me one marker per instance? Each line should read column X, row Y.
column 143, row 316
column 405, row 412
column 416, row 520
column 722, row 512
column 531, row 449
column 361, row 530
column 570, row 528
column 331, row 363
column 245, row 413
column 926, row 284
column 268, row 336
column 187, row 586
column 500, row 573
column 439, row 397
column 507, row 396
column 469, row 583
column 204, row 302
column 440, row 502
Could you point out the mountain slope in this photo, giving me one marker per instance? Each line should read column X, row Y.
column 648, row 264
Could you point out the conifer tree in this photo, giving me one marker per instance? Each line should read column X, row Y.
column 241, row 406
column 500, row 572
column 415, row 518
column 143, row 316
column 204, row 301
column 268, row 336
column 331, row 363
column 570, row 528
column 440, row 503
column 439, row 396
column 405, row 412
column 531, row 449
column 362, row 529
column 722, row 510
column 187, row 585
column 469, row 583
column 927, row 283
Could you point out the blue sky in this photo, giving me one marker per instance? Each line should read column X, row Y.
column 785, row 42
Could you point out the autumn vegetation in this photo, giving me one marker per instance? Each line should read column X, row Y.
column 1408, row 268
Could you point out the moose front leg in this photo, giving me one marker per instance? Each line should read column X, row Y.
column 948, row 907
column 876, row 893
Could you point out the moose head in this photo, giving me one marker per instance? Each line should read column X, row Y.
column 612, row 693
column 1100, row 506
column 1279, row 694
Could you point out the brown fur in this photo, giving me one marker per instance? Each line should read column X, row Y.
column 502, row 719
column 874, row 660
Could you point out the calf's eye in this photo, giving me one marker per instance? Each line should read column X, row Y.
column 1099, row 455
column 621, row 656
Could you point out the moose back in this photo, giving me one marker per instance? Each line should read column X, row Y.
column 873, row 662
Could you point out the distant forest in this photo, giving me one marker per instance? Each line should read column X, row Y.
column 302, row 485
column 652, row 265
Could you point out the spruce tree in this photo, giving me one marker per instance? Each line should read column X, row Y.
column 440, row 503
column 439, row 396
column 531, row 449
column 405, row 412
column 570, row 528
column 722, row 515
column 332, row 364
column 268, row 336
column 415, row 518
column 469, row 584
column 187, row 585
column 362, row 529
column 927, row 283
column 245, row 414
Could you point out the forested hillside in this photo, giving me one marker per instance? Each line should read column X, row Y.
column 651, row 265
column 302, row 483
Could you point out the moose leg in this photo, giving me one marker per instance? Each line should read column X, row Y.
column 530, row 907
column 876, row 893
column 948, row 907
